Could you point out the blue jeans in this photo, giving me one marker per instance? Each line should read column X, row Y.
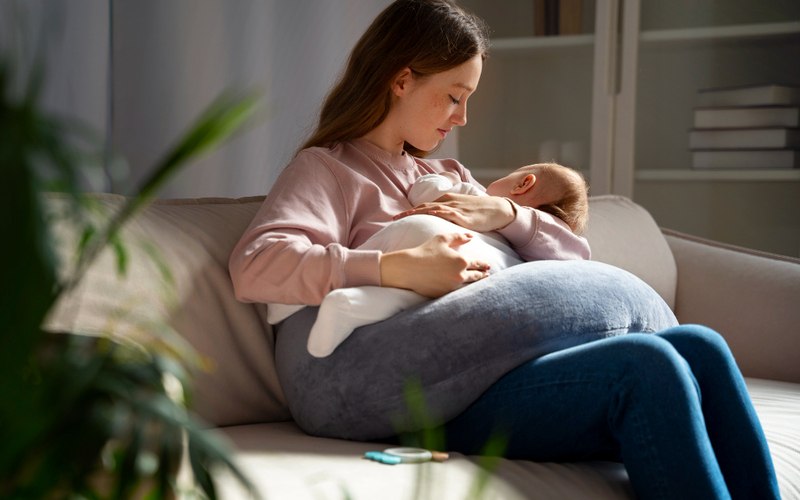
column 672, row 406
column 553, row 353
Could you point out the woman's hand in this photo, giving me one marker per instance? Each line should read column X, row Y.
column 479, row 213
column 433, row 268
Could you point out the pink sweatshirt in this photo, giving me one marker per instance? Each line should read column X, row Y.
column 302, row 242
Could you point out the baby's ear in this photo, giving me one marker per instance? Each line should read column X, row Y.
column 523, row 187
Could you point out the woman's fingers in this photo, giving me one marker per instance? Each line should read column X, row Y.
column 455, row 240
column 479, row 266
column 479, row 213
column 434, row 268
column 473, row 270
column 473, row 276
column 425, row 208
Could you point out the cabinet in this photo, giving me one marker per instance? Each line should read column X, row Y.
column 617, row 101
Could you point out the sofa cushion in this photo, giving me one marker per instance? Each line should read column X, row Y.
column 717, row 279
column 624, row 234
column 286, row 463
column 192, row 239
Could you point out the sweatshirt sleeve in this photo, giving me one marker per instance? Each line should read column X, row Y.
column 295, row 249
column 537, row 235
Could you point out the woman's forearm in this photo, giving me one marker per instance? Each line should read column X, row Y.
column 289, row 271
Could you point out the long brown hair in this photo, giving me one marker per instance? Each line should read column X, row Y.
column 428, row 36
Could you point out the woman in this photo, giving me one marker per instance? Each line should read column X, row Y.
column 537, row 352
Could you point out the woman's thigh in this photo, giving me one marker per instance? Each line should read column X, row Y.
column 455, row 347
column 631, row 398
column 574, row 404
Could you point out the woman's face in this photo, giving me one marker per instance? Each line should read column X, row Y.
column 427, row 108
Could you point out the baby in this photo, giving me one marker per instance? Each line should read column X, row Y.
column 548, row 187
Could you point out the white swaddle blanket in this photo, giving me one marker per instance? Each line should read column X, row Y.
column 345, row 309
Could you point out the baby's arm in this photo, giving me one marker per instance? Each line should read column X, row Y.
column 431, row 187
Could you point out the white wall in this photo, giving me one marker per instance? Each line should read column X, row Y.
column 75, row 42
column 172, row 58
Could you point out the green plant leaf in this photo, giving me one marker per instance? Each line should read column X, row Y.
column 31, row 277
column 489, row 459
column 62, row 401
column 121, row 253
column 199, row 463
column 226, row 115
column 223, row 117
column 126, row 474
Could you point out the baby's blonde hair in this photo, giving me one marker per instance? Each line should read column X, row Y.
column 572, row 203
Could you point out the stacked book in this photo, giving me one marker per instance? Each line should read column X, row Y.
column 557, row 17
column 753, row 127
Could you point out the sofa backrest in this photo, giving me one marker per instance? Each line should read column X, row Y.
column 624, row 234
column 194, row 238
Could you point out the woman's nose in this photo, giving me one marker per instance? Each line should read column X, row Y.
column 459, row 118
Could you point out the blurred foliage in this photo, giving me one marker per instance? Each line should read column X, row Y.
column 87, row 417
column 428, row 433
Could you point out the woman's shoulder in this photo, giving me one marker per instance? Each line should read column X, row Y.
column 313, row 158
column 322, row 163
column 331, row 155
column 313, row 153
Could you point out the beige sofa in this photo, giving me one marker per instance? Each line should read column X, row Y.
column 751, row 297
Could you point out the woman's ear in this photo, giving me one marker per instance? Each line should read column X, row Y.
column 402, row 82
column 523, row 187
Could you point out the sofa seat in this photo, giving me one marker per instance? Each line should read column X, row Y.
column 286, row 463
column 750, row 297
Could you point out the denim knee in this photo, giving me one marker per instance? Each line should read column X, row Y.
column 654, row 359
column 698, row 338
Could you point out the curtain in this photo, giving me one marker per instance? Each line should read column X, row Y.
column 140, row 71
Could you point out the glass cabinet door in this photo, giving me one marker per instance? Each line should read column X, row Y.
column 534, row 102
column 616, row 97
column 688, row 53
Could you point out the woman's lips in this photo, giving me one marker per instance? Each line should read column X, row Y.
column 443, row 132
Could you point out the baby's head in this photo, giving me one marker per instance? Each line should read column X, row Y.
column 549, row 187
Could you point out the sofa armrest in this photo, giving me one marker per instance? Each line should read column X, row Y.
column 751, row 297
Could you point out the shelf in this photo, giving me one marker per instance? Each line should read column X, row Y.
column 776, row 175
column 720, row 33
column 685, row 175
column 486, row 174
column 529, row 44
column 490, row 174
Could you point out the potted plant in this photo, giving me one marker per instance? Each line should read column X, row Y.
column 87, row 417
